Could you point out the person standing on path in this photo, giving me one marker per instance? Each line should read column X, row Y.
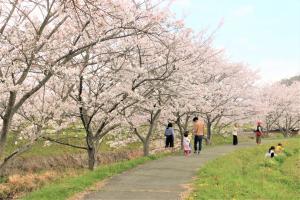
column 169, row 133
column 258, row 132
column 235, row 133
column 198, row 134
column 186, row 144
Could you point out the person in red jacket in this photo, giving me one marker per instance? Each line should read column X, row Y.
column 258, row 132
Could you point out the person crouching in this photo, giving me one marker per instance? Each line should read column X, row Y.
column 271, row 152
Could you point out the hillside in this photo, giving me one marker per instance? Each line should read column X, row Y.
column 291, row 80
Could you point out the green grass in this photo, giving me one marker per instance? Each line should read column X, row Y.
column 247, row 174
column 76, row 136
column 72, row 135
column 67, row 187
column 219, row 140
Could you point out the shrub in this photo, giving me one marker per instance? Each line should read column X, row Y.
column 280, row 159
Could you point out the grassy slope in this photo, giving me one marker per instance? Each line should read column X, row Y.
column 77, row 137
column 67, row 187
column 72, row 136
column 38, row 149
column 247, row 174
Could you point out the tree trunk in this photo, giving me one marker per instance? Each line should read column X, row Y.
column 268, row 129
column 185, row 128
column 282, row 131
column 91, row 150
column 153, row 122
column 6, row 122
column 181, row 132
column 286, row 132
column 91, row 154
column 181, row 140
column 3, row 136
column 209, row 131
column 146, row 147
column 89, row 135
column 146, row 142
column 182, row 128
column 4, row 132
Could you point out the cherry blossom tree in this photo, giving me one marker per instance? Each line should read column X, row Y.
column 188, row 75
column 109, row 76
column 43, row 110
column 108, row 64
column 43, row 39
column 223, row 92
column 160, row 61
column 36, row 41
column 278, row 106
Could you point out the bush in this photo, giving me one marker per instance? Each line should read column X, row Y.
column 288, row 153
column 3, row 179
column 280, row 159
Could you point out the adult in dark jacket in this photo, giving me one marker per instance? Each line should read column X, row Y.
column 169, row 133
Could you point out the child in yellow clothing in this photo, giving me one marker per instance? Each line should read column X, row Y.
column 279, row 148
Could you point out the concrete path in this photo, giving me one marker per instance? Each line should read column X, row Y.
column 162, row 179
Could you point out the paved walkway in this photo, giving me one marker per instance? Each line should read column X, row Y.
column 162, row 179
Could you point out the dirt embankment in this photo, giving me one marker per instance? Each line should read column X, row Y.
column 24, row 175
column 60, row 162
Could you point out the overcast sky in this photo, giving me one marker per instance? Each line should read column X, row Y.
column 265, row 34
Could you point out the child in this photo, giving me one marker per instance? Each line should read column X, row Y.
column 271, row 152
column 186, row 144
column 279, row 148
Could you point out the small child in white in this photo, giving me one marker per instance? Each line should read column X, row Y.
column 271, row 153
column 186, row 144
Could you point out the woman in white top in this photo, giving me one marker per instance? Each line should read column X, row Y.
column 235, row 133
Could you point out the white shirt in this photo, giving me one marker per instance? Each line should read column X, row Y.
column 186, row 143
column 235, row 131
column 268, row 154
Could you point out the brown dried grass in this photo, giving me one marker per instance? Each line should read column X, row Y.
column 28, row 174
column 19, row 184
column 58, row 163
column 30, row 181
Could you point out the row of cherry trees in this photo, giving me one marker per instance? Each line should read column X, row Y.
column 278, row 106
column 109, row 64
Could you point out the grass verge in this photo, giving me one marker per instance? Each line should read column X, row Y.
column 247, row 174
column 67, row 187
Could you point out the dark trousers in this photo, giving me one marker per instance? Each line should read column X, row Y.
column 235, row 140
column 169, row 141
column 258, row 139
column 198, row 142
